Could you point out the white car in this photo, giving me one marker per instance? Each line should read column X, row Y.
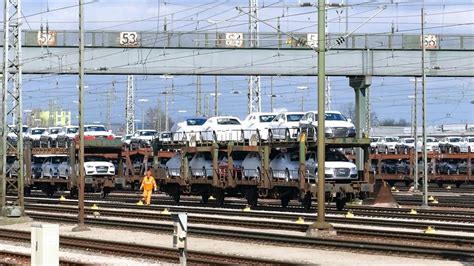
column 185, row 130
column 257, row 122
column 126, row 139
column 450, row 144
column 173, row 166
column 35, row 133
column 373, row 143
column 64, row 168
column 286, row 165
column 97, row 132
column 432, row 144
column 336, row 125
column 144, row 136
column 69, row 132
column 338, row 168
column 251, row 165
column 98, row 166
column 52, row 132
column 467, row 145
column 165, row 136
column 387, row 145
column 222, row 128
column 404, row 145
column 51, row 164
column 201, row 165
column 286, row 125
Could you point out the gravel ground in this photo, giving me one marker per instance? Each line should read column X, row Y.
column 295, row 255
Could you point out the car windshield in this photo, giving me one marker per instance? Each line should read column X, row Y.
column 37, row 131
column 147, row 133
column 195, row 121
column 25, row 129
column 470, row 140
column 128, row 137
column 391, row 139
column 165, row 135
column 409, row 140
column 72, row 130
column 266, row 118
column 95, row 159
column 430, row 140
column 228, row 121
column 335, row 116
column 454, row 139
column 95, row 128
column 335, row 157
column 374, row 139
column 54, row 131
column 294, row 117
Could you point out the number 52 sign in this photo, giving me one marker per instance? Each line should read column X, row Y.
column 128, row 38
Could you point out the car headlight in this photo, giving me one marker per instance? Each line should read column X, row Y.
column 353, row 170
column 89, row 166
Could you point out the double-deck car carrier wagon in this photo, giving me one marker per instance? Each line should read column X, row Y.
column 220, row 179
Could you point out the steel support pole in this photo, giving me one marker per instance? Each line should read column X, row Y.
column 321, row 223
column 166, row 112
column 415, row 132
column 216, row 96
column 423, row 89
column 81, row 226
column 360, row 84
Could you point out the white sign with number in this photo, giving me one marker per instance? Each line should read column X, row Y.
column 128, row 38
column 234, row 39
column 312, row 40
column 46, row 38
column 431, row 41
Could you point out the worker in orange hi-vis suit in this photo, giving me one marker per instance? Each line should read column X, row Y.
column 148, row 184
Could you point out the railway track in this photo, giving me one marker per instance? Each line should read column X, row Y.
column 288, row 213
column 161, row 254
column 460, row 249
column 279, row 221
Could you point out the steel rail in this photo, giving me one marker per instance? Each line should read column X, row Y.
column 280, row 225
column 463, row 254
column 143, row 251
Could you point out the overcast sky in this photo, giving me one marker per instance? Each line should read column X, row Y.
column 449, row 99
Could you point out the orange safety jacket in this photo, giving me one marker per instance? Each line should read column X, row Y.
column 148, row 183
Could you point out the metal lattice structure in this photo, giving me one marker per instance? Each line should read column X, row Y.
column 130, row 106
column 254, row 101
column 11, row 88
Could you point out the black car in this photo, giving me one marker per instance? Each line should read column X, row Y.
column 448, row 167
column 462, row 166
column 389, row 166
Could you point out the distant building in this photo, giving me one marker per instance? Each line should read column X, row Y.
column 58, row 118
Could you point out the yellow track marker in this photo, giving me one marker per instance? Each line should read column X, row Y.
column 140, row 203
column 413, row 211
column 300, row 220
column 430, row 230
column 349, row 214
column 246, row 209
column 62, row 198
column 431, row 198
column 94, row 207
column 165, row 212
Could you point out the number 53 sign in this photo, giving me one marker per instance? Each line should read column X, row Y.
column 431, row 42
column 128, row 39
